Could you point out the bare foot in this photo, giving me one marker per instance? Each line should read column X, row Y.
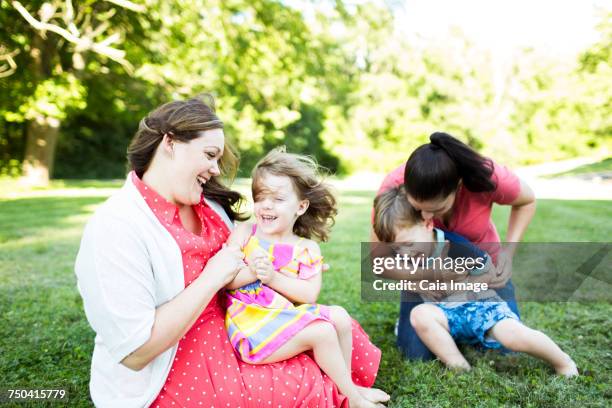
column 568, row 369
column 459, row 366
column 373, row 394
column 364, row 403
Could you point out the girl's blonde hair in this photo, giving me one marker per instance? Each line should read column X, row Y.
column 307, row 181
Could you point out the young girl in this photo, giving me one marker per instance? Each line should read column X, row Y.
column 462, row 317
column 272, row 314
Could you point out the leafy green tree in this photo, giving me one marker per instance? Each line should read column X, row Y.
column 274, row 75
column 403, row 92
column 564, row 110
column 595, row 73
column 54, row 46
column 338, row 80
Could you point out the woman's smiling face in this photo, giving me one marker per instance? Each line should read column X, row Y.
column 194, row 163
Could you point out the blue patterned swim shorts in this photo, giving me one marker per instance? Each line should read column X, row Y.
column 470, row 321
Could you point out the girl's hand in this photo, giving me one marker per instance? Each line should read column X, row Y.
column 222, row 268
column 264, row 270
column 256, row 255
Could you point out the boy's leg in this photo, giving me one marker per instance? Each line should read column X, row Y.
column 431, row 325
column 407, row 339
column 516, row 336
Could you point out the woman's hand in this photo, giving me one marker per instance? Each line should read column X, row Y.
column 222, row 268
column 503, row 269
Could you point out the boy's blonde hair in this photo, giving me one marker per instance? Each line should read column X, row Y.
column 307, row 181
column 391, row 211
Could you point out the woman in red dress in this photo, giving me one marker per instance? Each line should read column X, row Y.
column 151, row 262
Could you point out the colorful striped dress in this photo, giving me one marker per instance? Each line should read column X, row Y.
column 259, row 320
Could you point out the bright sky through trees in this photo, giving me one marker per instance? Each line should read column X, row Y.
column 561, row 27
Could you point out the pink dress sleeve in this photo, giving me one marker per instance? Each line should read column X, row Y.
column 508, row 185
column 308, row 265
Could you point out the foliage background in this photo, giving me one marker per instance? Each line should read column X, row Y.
column 335, row 79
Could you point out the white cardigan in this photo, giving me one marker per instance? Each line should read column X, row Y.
column 128, row 264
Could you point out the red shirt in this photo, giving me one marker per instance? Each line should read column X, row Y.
column 206, row 371
column 471, row 211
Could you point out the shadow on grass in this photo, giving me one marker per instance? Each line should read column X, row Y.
column 12, row 185
column 24, row 217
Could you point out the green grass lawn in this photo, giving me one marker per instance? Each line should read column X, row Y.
column 45, row 341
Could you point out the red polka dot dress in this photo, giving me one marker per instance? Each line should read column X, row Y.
column 206, row 371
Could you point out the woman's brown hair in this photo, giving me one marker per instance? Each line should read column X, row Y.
column 306, row 178
column 184, row 121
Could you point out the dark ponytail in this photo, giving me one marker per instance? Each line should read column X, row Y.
column 434, row 169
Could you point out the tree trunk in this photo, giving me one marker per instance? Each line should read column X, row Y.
column 41, row 131
column 41, row 139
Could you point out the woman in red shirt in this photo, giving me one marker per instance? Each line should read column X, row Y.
column 455, row 187
column 150, row 267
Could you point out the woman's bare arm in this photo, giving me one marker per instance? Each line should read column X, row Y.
column 523, row 210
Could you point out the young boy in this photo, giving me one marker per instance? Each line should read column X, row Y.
column 486, row 319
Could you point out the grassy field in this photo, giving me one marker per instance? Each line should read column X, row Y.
column 45, row 341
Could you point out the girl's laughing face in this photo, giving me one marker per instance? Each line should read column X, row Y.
column 277, row 206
